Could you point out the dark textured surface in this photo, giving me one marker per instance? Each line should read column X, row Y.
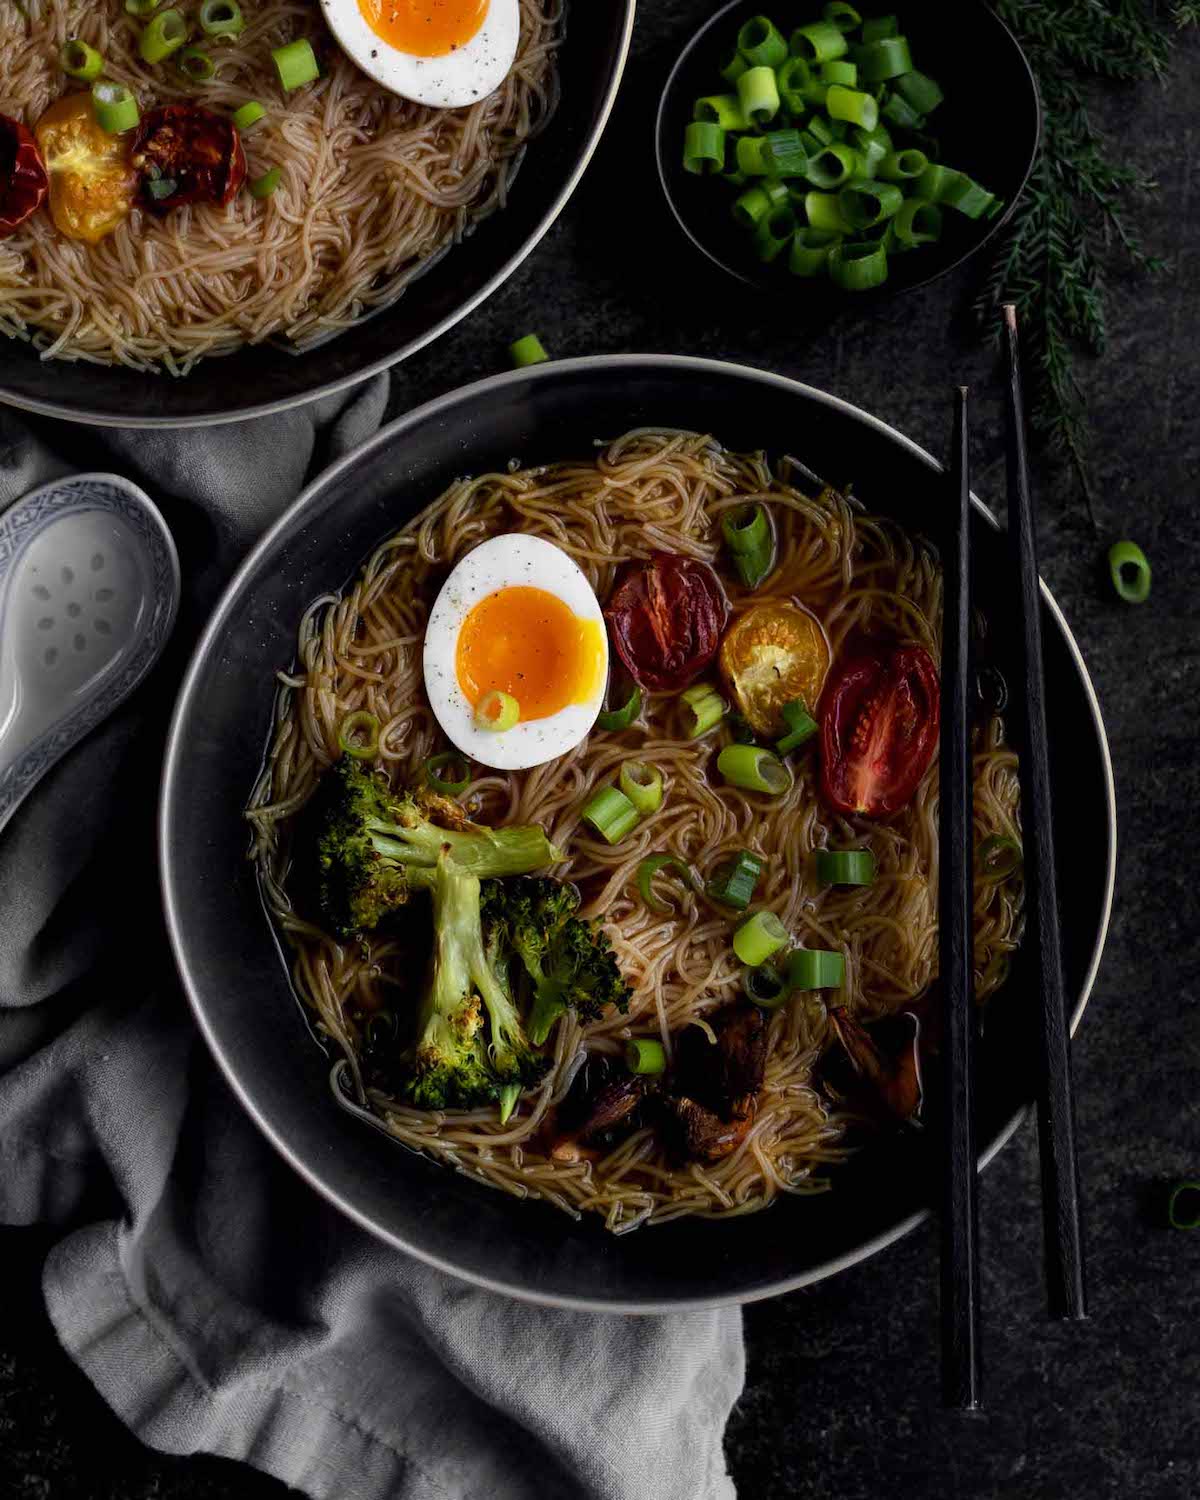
column 842, row 1396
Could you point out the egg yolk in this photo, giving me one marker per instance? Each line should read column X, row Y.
column 528, row 643
column 425, row 28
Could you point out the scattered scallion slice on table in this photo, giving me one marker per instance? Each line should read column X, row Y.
column 1130, row 572
column 527, row 351
column 1183, row 1206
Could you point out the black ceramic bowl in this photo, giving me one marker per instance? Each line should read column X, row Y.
column 266, row 378
column 989, row 126
column 226, row 951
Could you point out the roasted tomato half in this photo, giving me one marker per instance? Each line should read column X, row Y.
column 879, row 728
column 92, row 184
column 771, row 655
column 23, row 182
column 187, row 154
column 665, row 617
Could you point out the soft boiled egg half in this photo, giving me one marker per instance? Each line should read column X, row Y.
column 446, row 53
column 516, row 654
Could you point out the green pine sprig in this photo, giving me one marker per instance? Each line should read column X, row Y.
column 1074, row 219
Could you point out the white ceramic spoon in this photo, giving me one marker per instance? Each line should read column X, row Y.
column 89, row 587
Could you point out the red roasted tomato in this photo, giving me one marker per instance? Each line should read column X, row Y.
column 665, row 617
column 187, row 154
column 23, row 180
column 879, row 728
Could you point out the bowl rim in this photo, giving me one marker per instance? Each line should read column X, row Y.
column 442, row 408
column 876, row 294
column 43, row 407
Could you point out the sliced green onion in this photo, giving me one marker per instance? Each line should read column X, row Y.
column 642, row 783
column 858, row 268
column 917, row 223
column 509, row 1094
column 161, row 188
column 724, row 110
column 114, row 107
column 999, row 857
column 784, row 154
column 754, row 770
column 197, row 64
column 880, row 60
column 611, row 814
column 1130, row 570
column 809, row 255
column 824, row 212
column 791, row 79
column 645, row 1054
column 773, row 234
column 864, row 202
column 734, row 68
column 748, row 155
column 735, row 178
column 936, row 182
column 751, row 541
column 80, row 61
column 778, row 193
column 841, row 15
column 896, row 109
column 447, row 786
column 703, row 148
column 141, row 7
column 765, row 986
column 801, row 726
column 248, row 114
column 752, row 206
column 877, row 28
column 758, row 95
column 829, row 169
column 358, row 733
column 965, row 194
column 162, row 35
column 839, row 72
column 707, row 709
column 820, row 128
column 761, row 44
column 650, row 867
column 919, row 90
column 264, row 186
column 732, row 883
column 758, row 937
column 527, row 351
column 845, row 867
column 614, row 720
column 1183, row 1206
column 815, row 969
column 900, row 166
column 851, row 105
column 495, row 711
column 819, row 43
column 221, row 18
column 815, row 93
column 296, row 64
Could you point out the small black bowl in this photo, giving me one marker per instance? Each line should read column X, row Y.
column 989, row 126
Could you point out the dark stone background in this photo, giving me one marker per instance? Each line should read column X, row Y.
column 841, row 1400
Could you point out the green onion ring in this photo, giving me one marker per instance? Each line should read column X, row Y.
column 616, row 719
column 816, row 969
column 754, row 770
column 733, row 881
column 78, row 60
column 115, row 108
column 442, row 785
column 221, row 18
column 645, row 1054
column 1183, row 1206
column 643, row 785
column 845, row 867
column 758, row 938
column 1129, row 568
column 765, row 986
column 650, row 867
column 611, row 814
column 358, row 735
column 999, row 857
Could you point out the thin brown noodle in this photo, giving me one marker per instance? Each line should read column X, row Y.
column 648, row 490
column 374, row 189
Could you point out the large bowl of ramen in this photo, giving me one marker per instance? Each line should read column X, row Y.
column 698, row 1126
column 187, row 270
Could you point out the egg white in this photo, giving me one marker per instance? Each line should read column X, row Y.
column 510, row 561
column 469, row 73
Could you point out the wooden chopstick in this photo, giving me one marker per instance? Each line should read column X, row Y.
column 960, row 1215
column 1056, row 1108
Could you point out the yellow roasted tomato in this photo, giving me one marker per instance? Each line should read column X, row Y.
column 773, row 653
column 92, row 181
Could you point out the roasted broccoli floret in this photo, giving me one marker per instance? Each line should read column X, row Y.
column 569, row 961
column 375, row 846
column 459, row 1064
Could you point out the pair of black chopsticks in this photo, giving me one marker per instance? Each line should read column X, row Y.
column 1056, row 1114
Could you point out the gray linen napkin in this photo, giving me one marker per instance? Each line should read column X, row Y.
column 216, row 1303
